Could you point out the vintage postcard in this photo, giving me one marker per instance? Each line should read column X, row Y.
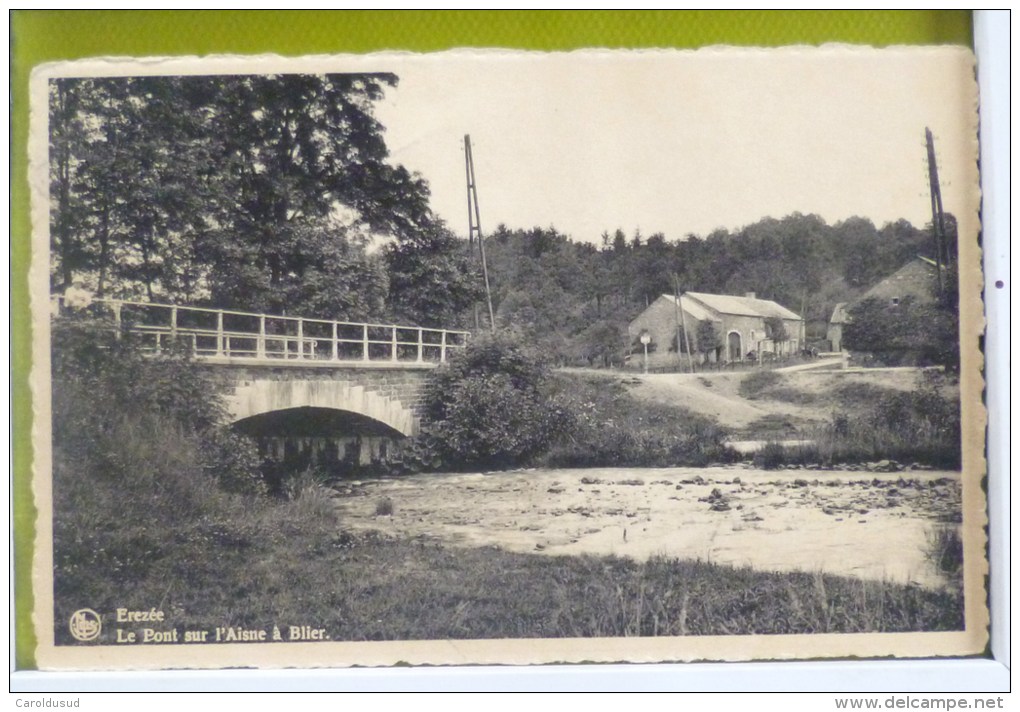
column 492, row 357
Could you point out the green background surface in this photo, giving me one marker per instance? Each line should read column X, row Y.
column 39, row 36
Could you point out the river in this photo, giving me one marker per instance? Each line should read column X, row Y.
column 862, row 524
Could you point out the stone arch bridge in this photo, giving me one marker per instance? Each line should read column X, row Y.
column 329, row 389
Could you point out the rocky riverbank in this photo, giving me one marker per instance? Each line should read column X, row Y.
column 834, row 521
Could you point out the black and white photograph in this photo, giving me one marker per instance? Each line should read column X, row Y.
column 508, row 357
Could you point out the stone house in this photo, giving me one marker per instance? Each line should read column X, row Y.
column 739, row 326
column 916, row 279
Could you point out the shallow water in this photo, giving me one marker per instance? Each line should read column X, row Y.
column 868, row 525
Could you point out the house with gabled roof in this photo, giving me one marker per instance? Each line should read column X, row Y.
column 741, row 327
column 916, row 280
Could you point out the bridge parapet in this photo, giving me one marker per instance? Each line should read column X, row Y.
column 222, row 335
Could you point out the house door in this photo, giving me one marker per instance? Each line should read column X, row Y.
column 736, row 353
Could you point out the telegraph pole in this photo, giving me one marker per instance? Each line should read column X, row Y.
column 474, row 227
column 938, row 222
column 681, row 324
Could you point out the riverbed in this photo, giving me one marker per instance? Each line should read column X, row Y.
column 863, row 524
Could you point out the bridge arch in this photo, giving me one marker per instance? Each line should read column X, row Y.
column 264, row 396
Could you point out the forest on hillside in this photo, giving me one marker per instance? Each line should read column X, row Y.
column 575, row 298
column 273, row 193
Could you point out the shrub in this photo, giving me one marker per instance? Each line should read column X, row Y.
column 755, row 383
column 770, row 457
column 88, row 358
column 122, row 506
column 909, row 426
column 945, row 549
column 488, row 408
column 153, row 499
column 234, row 461
column 102, row 384
column 912, row 331
column 611, row 428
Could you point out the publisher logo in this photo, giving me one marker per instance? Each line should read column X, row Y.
column 85, row 625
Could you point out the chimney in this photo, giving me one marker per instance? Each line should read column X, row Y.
column 750, row 295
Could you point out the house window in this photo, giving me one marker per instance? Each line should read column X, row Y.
column 895, row 301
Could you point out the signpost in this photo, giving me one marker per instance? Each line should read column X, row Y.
column 645, row 340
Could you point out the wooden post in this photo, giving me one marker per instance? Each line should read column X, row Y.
column 683, row 325
column 116, row 317
column 334, row 351
column 364, row 342
column 300, row 339
column 421, row 345
column 260, row 343
column 219, row 333
column 442, row 347
column 173, row 323
column 393, row 347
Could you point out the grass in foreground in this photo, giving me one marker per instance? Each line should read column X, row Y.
column 290, row 564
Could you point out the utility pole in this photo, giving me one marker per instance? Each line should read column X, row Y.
column 474, row 227
column 681, row 324
column 938, row 222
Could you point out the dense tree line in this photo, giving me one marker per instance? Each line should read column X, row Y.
column 575, row 298
column 250, row 192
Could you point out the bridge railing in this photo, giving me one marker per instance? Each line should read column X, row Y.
column 226, row 334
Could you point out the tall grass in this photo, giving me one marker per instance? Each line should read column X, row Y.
column 366, row 587
column 156, row 530
column 754, row 385
column 611, row 428
column 149, row 491
column 921, row 426
column 945, row 549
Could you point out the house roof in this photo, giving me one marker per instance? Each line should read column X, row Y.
column 743, row 306
column 696, row 310
column 916, row 278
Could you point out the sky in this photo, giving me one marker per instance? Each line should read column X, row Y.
column 683, row 142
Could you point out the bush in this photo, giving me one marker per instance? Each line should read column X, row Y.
column 770, row 457
column 912, row 331
column 88, row 358
column 103, row 384
column 945, row 549
column 488, row 408
column 754, row 384
column 920, row 426
column 234, row 461
column 613, row 429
